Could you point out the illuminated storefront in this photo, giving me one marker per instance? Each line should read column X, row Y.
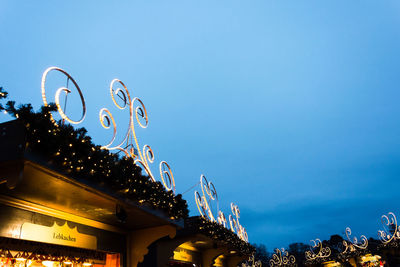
column 50, row 219
column 371, row 260
column 65, row 201
column 34, row 233
column 186, row 254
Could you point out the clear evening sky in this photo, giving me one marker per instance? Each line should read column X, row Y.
column 291, row 108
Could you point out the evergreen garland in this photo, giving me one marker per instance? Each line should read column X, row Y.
column 72, row 151
column 219, row 234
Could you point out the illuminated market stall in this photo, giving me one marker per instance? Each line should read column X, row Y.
column 67, row 202
column 83, row 221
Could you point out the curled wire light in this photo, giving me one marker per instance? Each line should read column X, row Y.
column 235, row 224
column 251, row 262
column 129, row 144
column 390, row 230
column 204, row 205
column 209, row 193
column 353, row 243
column 282, row 258
column 167, row 176
column 59, row 92
column 317, row 251
column 222, row 219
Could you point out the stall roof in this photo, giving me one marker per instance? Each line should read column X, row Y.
column 28, row 181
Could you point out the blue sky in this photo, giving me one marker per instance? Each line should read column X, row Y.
column 289, row 107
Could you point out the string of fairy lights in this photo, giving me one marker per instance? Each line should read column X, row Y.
column 24, row 258
column 71, row 150
column 203, row 202
column 129, row 144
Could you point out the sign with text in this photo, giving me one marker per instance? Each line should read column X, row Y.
column 60, row 235
column 182, row 254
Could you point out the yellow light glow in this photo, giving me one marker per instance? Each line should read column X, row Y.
column 130, row 140
column 352, row 243
column 390, row 228
column 182, row 255
column 317, row 250
column 130, row 144
column 106, row 120
column 57, row 96
column 203, row 202
column 166, row 176
column 331, row 264
column 282, row 258
column 121, row 93
column 48, row 263
column 370, row 258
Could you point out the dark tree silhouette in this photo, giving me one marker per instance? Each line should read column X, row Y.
column 336, row 243
column 298, row 250
column 262, row 254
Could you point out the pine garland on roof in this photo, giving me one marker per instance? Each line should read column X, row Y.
column 72, row 151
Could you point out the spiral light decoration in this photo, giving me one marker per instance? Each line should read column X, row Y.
column 222, row 219
column 317, row 251
column 235, row 225
column 59, row 91
column 129, row 144
column 251, row 262
column 209, row 193
column 353, row 243
column 204, row 201
column 282, row 258
column 390, row 230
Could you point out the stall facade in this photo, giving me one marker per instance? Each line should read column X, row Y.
column 65, row 201
column 50, row 218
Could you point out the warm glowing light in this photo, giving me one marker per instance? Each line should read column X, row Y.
column 203, row 202
column 130, row 144
column 352, row 243
column 57, row 96
column 251, row 262
column 235, row 225
column 370, row 258
column 282, row 258
column 221, row 218
column 390, row 229
column 167, row 176
column 317, row 250
column 48, row 263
